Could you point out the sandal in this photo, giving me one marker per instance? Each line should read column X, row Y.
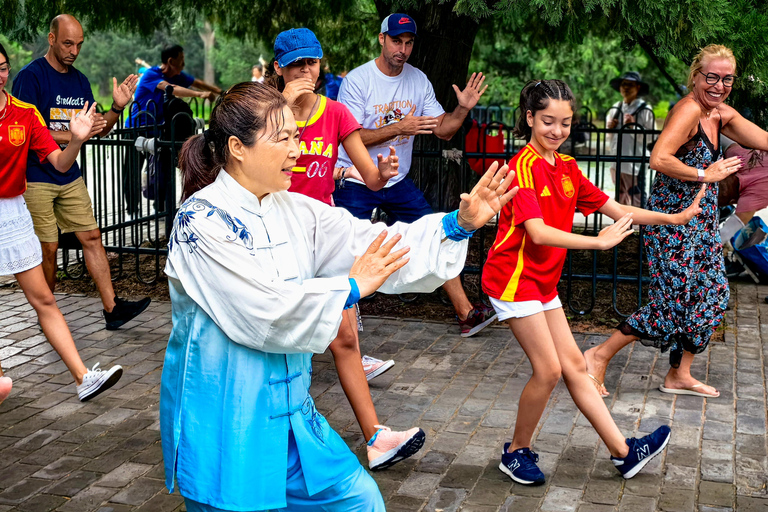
column 688, row 391
column 599, row 385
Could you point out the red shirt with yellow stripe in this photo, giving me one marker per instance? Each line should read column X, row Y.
column 319, row 147
column 517, row 269
column 22, row 129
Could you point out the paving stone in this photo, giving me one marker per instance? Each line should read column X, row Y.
column 74, row 483
column 107, row 455
column 446, row 500
column 41, row 503
column 716, row 493
column 561, row 499
column 138, row 492
column 88, row 500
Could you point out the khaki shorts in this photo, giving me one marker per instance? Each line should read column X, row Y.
column 68, row 206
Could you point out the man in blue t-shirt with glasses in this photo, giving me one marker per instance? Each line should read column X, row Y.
column 60, row 200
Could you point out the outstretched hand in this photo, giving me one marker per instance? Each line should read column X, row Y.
column 81, row 125
column 388, row 166
column 613, row 235
column 487, row 198
column 469, row 97
column 685, row 216
column 378, row 263
column 122, row 94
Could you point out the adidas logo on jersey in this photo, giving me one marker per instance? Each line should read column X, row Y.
column 545, row 192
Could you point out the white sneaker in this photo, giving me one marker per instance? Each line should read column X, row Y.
column 374, row 367
column 97, row 381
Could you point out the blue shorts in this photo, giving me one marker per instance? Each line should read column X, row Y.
column 358, row 492
column 402, row 201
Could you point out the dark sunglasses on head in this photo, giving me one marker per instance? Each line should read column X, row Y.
column 713, row 78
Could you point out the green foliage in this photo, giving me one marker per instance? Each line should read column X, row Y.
column 583, row 41
column 511, row 59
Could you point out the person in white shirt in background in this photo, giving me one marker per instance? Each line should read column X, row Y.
column 631, row 110
column 394, row 102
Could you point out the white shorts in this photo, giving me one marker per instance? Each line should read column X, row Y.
column 506, row 310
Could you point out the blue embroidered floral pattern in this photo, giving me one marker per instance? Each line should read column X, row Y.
column 183, row 232
column 689, row 290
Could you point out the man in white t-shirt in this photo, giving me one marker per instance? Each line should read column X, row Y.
column 394, row 102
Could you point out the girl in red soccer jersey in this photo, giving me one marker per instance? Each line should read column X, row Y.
column 22, row 130
column 524, row 266
column 323, row 125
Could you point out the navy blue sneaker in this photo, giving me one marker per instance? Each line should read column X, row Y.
column 641, row 451
column 521, row 467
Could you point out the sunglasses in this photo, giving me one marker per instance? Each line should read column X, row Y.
column 713, row 78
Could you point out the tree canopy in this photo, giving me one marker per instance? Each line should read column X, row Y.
column 578, row 40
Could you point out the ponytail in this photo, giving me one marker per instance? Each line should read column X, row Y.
column 534, row 97
column 272, row 79
column 199, row 167
column 242, row 112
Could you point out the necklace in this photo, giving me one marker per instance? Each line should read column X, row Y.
column 306, row 123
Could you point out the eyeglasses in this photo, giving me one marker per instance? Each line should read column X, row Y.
column 713, row 78
column 5, row 70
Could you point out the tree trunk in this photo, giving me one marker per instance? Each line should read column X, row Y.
column 443, row 46
column 208, row 35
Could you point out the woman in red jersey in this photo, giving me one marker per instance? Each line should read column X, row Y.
column 323, row 125
column 22, row 130
column 524, row 266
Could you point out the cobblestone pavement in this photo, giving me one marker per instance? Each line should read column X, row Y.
column 59, row 454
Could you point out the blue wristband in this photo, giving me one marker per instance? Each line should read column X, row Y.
column 452, row 228
column 354, row 294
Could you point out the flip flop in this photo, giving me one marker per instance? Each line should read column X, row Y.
column 687, row 391
column 599, row 385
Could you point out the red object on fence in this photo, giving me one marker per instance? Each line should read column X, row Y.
column 479, row 139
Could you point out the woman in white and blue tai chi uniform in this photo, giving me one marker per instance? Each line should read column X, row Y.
column 258, row 280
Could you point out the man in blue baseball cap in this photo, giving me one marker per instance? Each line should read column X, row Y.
column 393, row 101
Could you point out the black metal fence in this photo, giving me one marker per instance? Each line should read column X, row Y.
column 132, row 177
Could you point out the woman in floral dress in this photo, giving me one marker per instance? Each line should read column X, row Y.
column 689, row 290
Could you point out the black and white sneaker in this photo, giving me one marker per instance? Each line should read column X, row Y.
column 124, row 311
column 97, row 381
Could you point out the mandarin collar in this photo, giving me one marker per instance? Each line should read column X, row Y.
column 241, row 196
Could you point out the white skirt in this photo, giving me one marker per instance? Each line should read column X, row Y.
column 19, row 247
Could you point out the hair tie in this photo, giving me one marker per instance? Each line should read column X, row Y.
column 207, row 136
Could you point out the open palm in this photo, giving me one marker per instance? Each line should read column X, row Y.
column 487, row 198
column 122, row 94
column 80, row 126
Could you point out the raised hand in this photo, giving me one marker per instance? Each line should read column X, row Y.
column 80, row 126
column 388, row 166
column 487, row 198
column 469, row 97
column 378, row 263
column 297, row 88
column 122, row 94
column 612, row 235
column 685, row 216
column 416, row 125
column 99, row 123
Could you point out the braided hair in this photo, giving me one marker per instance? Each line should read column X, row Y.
column 534, row 97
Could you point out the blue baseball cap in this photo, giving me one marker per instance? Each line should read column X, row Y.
column 296, row 44
column 396, row 24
